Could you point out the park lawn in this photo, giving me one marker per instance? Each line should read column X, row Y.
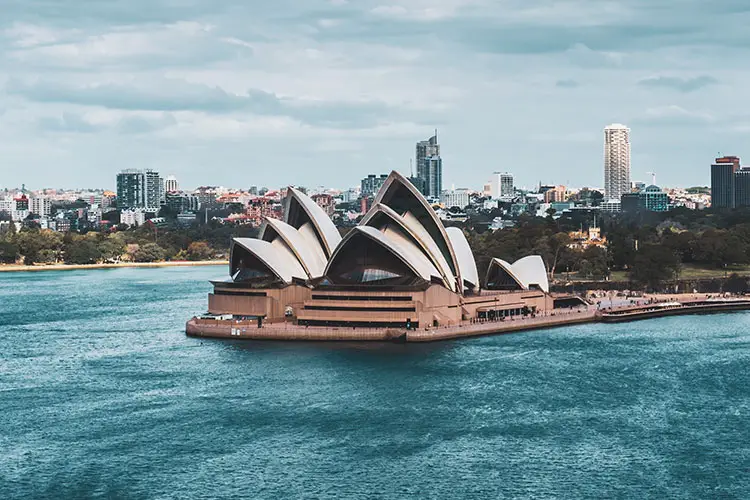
column 689, row 271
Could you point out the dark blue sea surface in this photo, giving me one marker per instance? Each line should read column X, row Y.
column 103, row 395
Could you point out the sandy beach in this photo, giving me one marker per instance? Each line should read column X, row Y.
column 71, row 267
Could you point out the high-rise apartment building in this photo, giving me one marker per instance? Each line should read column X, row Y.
column 723, row 173
column 140, row 189
column 40, row 205
column 433, row 177
column 616, row 161
column 371, row 184
column 171, row 185
column 501, row 185
column 430, row 166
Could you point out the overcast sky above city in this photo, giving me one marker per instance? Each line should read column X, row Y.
column 249, row 92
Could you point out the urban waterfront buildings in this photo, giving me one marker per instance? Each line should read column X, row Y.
column 616, row 161
column 400, row 267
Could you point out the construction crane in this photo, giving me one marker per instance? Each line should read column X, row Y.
column 653, row 178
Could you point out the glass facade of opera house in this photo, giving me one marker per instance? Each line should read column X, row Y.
column 400, row 267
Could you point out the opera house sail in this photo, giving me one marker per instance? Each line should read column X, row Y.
column 399, row 268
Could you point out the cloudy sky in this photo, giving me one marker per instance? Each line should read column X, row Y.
column 323, row 92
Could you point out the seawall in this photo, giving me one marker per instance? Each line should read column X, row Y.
column 287, row 331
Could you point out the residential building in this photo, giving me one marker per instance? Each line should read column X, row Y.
column 325, row 201
column 742, row 187
column 140, row 189
column 501, row 185
column 616, row 161
column 133, row 217
column 455, row 198
column 40, row 205
column 430, row 166
column 371, row 184
column 178, row 202
column 556, row 194
column 433, row 177
column 611, row 205
column 171, row 185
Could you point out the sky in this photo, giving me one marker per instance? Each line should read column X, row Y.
column 324, row 92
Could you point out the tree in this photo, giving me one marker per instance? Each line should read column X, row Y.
column 736, row 284
column 8, row 252
column 558, row 244
column 654, row 264
column 150, row 252
column 82, row 251
column 199, row 250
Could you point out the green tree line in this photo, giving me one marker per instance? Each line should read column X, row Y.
column 145, row 244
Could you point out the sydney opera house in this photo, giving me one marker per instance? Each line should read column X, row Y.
column 399, row 268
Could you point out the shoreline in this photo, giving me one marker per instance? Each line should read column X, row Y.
column 10, row 268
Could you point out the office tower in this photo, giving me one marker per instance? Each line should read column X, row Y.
column 139, row 189
column 171, row 185
column 430, row 166
column 616, row 161
column 742, row 187
column 723, row 181
column 371, row 184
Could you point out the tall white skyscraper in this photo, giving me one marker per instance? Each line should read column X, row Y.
column 616, row 161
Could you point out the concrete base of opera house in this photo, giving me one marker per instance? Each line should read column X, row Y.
column 250, row 330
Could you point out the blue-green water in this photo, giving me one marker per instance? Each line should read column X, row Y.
column 102, row 395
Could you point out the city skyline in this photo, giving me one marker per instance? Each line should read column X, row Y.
column 240, row 94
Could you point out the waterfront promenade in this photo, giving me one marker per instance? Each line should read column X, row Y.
column 212, row 328
column 289, row 331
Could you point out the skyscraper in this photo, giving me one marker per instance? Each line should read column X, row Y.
column 139, row 189
column 723, row 173
column 616, row 161
column 430, row 166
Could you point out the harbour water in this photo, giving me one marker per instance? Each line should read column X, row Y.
column 103, row 395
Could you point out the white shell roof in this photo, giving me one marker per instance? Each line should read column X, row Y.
column 465, row 256
column 532, row 271
column 279, row 259
column 324, row 226
column 312, row 259
column 406, row 251
column 526, row 271
column 416, row 230
column 396, row 177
